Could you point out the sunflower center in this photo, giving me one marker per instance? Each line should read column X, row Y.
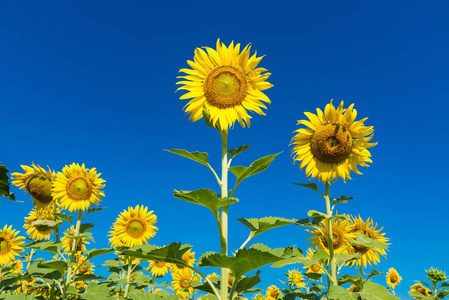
column 315, row 268
column 225, row 87
column 4, row 245
column 79, row 188
column 39, row 187
column 185, row 283
column 136, row 228
column 159, row 264
column 393, row 278
column 337, row 239
column 331, row 143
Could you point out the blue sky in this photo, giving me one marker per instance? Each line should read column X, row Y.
column 94, row 82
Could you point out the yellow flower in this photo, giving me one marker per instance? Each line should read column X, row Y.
column 259, row 296
column 39, row 231
column 421, row 289
column 272, row 293
column 333, row 145
column 77, row 187
column 159, row 269
column 83, row 265
column 368, row 254
column 134, row 227
column 340, row 236
column 181, row 282
column 188, row 257
column 213, row 277
column 10, row 245
column 315, row 268
column 67, row 241
column 226, row 83
column 393, row 278
column 295, row 278
column 37, row 182
column 354, row 289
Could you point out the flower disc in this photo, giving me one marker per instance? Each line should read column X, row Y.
column 340, row 236
column 10, row 245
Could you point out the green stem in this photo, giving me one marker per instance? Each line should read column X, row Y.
column 72, row 254
column 128, row 276
column 224, row 213
column 330, row 243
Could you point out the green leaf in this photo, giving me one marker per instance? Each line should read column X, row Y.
column 298, row 258
column 96, row 291
column 340, row 293
column 170, row 254
column 343, row 258
column 206, row 198
column 257, row 226
column 85, row 277
column 256, row 167
column 316, row 214
column 312, row 186
column 341, row 199
column 59, row 266
column 234, row 152
column 310, row 222
column 245, row 284
column 64, row 217
column 418, row 295
column 86, row 227
column 44, row 245
column 374, row 273
column 200, row 157
column 148, row 296
column 363, row 240
column 21, row 296
column 97, row 252
column 371, row 291
column 4, row 184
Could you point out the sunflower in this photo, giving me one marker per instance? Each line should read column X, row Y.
column 226, row 83
column 10, row 245
column 188, row 257
column 159, row 269
column 368, row 254
column 421, row 289
column 77, row 187
column 38, row 231
column 37, row 182
column 315, row 268
column 181, row 282
column 134, row 227
column 333, row 145
column 83, row 265
column 295, row 278
column 341, row 232
column 354, row 289
column 393, row 278
column 67, row 241
column 273, row 293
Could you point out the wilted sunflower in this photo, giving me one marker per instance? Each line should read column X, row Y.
column 333, row 145
column 341, row 232
column 393, row 278
column 226, row 83
column 10, row 245
column 67, row 241
column 273, row 293
column 39, row 231
column 78, row 188
column 134, row 227
column 181, row 282
column 368, row 254
column 37, row 182
column 158, row 269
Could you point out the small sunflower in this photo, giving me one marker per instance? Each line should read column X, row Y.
column 315, row 268
column 37, row 231
column 421, row 289
column 354, row 289
column 181, row 282
column 134, row 227
column 393, row 278
column 37, row 182
column 273, row 293
column 226, row 83
column 158, row 269
column 83, row 265
column 333, row 145
column 341, row 232
column 188, row 257
column 67, row 241
column 77, row 187
column 295, row 278
column 10, row 245
column 368, row 254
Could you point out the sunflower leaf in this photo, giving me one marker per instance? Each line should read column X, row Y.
column 363, row 240
column 97, row 252
column 343, row 258
column 206, row 198
column 338, row 292
column 374, row 291
column 245, row 284
column 64, row 217
column 316, row 214
column 170, row 254
column 4, row 184
column 96, row 291
column 374, row 273
column 233, row 152
column 341, row 199
column 312, row 186
column 257, row 226
column 298, row 257
column 59, row 266
column 310, row 222
column 86, row 227
column 200, row 157
column 45, row 245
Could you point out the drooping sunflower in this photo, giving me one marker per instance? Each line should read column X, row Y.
column 316, row 267
column 368, row 254
column 333, row 145
column 77, row 187
column 134, row 227
column 67, row 241
column 341, row 233
column 188, row 257
column 37, row 182
column 159, row 269
column 272, row 293
column 10, row 244
column 393, row 278
column 226, row 83
column 39, row 231
column 181, row 282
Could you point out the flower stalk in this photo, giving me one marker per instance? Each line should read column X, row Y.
column 224, row 213
column 330, row 243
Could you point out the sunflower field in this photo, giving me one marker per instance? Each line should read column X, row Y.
column 54, row 255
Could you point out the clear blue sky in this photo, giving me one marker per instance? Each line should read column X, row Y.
column 94, row 82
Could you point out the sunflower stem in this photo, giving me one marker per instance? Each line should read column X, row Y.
column 224, row 213
column 330, row 243
column 72, row 254
column 128, row 276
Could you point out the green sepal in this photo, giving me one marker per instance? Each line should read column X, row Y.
column 363, row 240
column 257, row 226
column 206, row 198
column 207, row 119
column 4, row 184
column 64, row 217
column 371, row 291
column 45, row 245
column 234, row 152
column 312, row 186
column 96, row 252
column 200, row 157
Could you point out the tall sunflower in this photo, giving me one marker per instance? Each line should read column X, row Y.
column 10, row 244
column 134, row 227
column 393, row 278
column 38, row 231
column 341, row 233
column 37, row 182
column 368, row 254
column 333, row 144
column 78, row 188
column 226, row 83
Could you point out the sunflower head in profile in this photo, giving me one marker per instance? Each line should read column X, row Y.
column 37, row 182
column 78, row 188
column 35, row 230
column 333, row 144
column 341, row 233
column 67, row 241
column 226, row 83
column 134, row 227
column 295, row 278
column 10, row 245
column 393, row 278
column 272, row 293
column 181, row 282
column 367, row 254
